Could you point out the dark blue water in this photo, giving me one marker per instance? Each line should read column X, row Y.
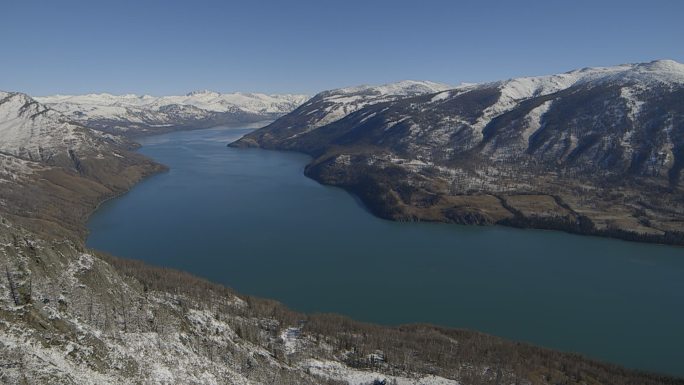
column 248, row 218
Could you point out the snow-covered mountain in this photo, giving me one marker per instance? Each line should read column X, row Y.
column 571, row 137
column 329, row 106
column 32, row 131
column 136, row 115
column 52, row 169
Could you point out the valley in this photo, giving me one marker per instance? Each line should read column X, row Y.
column 72, row 314
column 342, row 193
column 251, row 220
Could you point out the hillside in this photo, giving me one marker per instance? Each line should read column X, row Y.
column 593, row 151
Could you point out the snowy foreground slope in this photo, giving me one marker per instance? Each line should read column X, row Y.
column 596, row 150
column 138, row 115
column 70, row 315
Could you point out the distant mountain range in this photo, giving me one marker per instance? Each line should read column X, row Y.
column 596, row 150
column 134, row 115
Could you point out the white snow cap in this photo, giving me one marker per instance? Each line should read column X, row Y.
column 107, row 104
column 30, row 130
column 402, row 88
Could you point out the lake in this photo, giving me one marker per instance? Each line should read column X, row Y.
column 250, row 219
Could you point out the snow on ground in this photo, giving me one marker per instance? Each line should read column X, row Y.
column 107, row 105
column 368, row 116
column 48, row 360
column 533, row 120
column 629, row 94
column 341, row 102
column 32, row 131
column 290, row 337
column 513, row 91
column 412, row 87
column 338, row 371
column 83, row 263
column 440, row 96
column 659, row 71
column 12, row 169
column 402, row 88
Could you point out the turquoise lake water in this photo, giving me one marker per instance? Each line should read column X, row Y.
column 250, row 219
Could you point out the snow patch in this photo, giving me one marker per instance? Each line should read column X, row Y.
column 440, row 96
column 533, row 120
column 290, row 337
column 338, row 371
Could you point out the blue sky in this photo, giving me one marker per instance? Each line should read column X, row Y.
column 172, row 47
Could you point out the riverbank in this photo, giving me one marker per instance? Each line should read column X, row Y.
column 403, row 192
column 250, row 219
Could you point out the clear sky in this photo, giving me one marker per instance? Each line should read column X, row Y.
column 172, row 47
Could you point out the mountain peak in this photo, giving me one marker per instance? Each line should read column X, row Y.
column 409, row 87
column 664, row 65
column 400, row 88
column 202, row 92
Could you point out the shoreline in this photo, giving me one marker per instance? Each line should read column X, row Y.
column 516, row 222
column 582, row 226
column 356, row 197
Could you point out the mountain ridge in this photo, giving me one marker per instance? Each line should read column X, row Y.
column 135, row 115
column 541, row 151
